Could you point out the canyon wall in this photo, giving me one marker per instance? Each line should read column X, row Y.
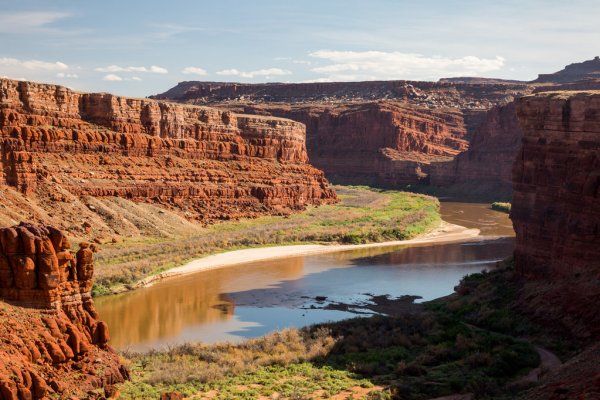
column 54, row 343
column 205, row 163
column 556, row 205
column 556, row 211
column 384, row 144
column 487, row 165
column 386, row 134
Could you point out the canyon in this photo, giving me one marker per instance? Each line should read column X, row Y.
column 387, row 134
column 98, row 165
column 456, row 136
column 66, row 157
column 556, row 205
column 556, row 217
column 54, row 344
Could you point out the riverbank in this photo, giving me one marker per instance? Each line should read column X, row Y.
column 444, row 233
column 474, row 343
column 364, row 215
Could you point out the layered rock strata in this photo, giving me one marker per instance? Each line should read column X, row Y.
column 556, row 206
column 488, row 161
column 385, row 144
column 379, row 133
column 210, row 164
column 480, row 96
column 54, row 343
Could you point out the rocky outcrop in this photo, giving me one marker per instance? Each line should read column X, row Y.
column 209, row 164
column 385, row 144
column 487, row 165
column 589, row 69
column 556, row 211
column 556, row 205
column 385, row 134
column 480, row 96
column 54, row 344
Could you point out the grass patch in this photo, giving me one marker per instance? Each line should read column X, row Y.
column 363, row 215
column 462, row 344
column 502, row 207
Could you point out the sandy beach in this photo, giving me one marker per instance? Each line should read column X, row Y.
column 445, row 233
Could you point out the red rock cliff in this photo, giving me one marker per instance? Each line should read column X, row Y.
column 556, row 204
column 212, row 164
column 382, row 143
column 386, row 133
column 54, row 344
column 487, row 164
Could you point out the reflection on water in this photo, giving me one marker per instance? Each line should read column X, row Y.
column 252, row 299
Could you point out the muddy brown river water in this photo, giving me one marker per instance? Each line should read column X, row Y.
column 252, row 299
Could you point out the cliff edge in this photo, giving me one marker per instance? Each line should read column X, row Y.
column 59, row 146
column 54, row 344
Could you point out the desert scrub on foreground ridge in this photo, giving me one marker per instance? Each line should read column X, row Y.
column 363, row 215
column 416, row 356
column 503, row 207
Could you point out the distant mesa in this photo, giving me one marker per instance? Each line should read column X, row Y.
column 586, row 70
column 475, row 80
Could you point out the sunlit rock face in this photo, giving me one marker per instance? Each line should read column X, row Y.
column 386, row 133
column 207, row 163
column 54, row 343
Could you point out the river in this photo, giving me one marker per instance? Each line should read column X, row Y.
column 252, row 299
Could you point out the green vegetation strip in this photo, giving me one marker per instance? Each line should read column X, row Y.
column 503, row 207
column 363, row 215
column 460, row 344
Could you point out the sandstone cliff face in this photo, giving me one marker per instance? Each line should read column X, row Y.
column 386, row 134
column 556, row 211
column 384, row 144
column 556, row 206
column 209, row 164
column 489, row 159
column 54, row 343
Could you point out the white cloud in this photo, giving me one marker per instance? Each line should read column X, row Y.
column 116, row 68
column 117, row 78
column 369, row 65
column 33, row 65
column 158, row 70
column 112, row 78
column 67, row 75
column 26, row 21
column 268, row 72
column 194, row 71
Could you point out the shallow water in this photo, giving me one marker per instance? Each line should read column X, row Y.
column 252, row 299
column 477, row 215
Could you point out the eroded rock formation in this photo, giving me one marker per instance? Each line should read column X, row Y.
column 377, row 133
column 556, row 206
column 589, row 69
column 487, row 165
column 54, row 344
column 207, row 163
column 480, row 96
column 385, row 144
column 556, row 211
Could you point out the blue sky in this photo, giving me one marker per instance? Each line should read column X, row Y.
column 138, row 48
